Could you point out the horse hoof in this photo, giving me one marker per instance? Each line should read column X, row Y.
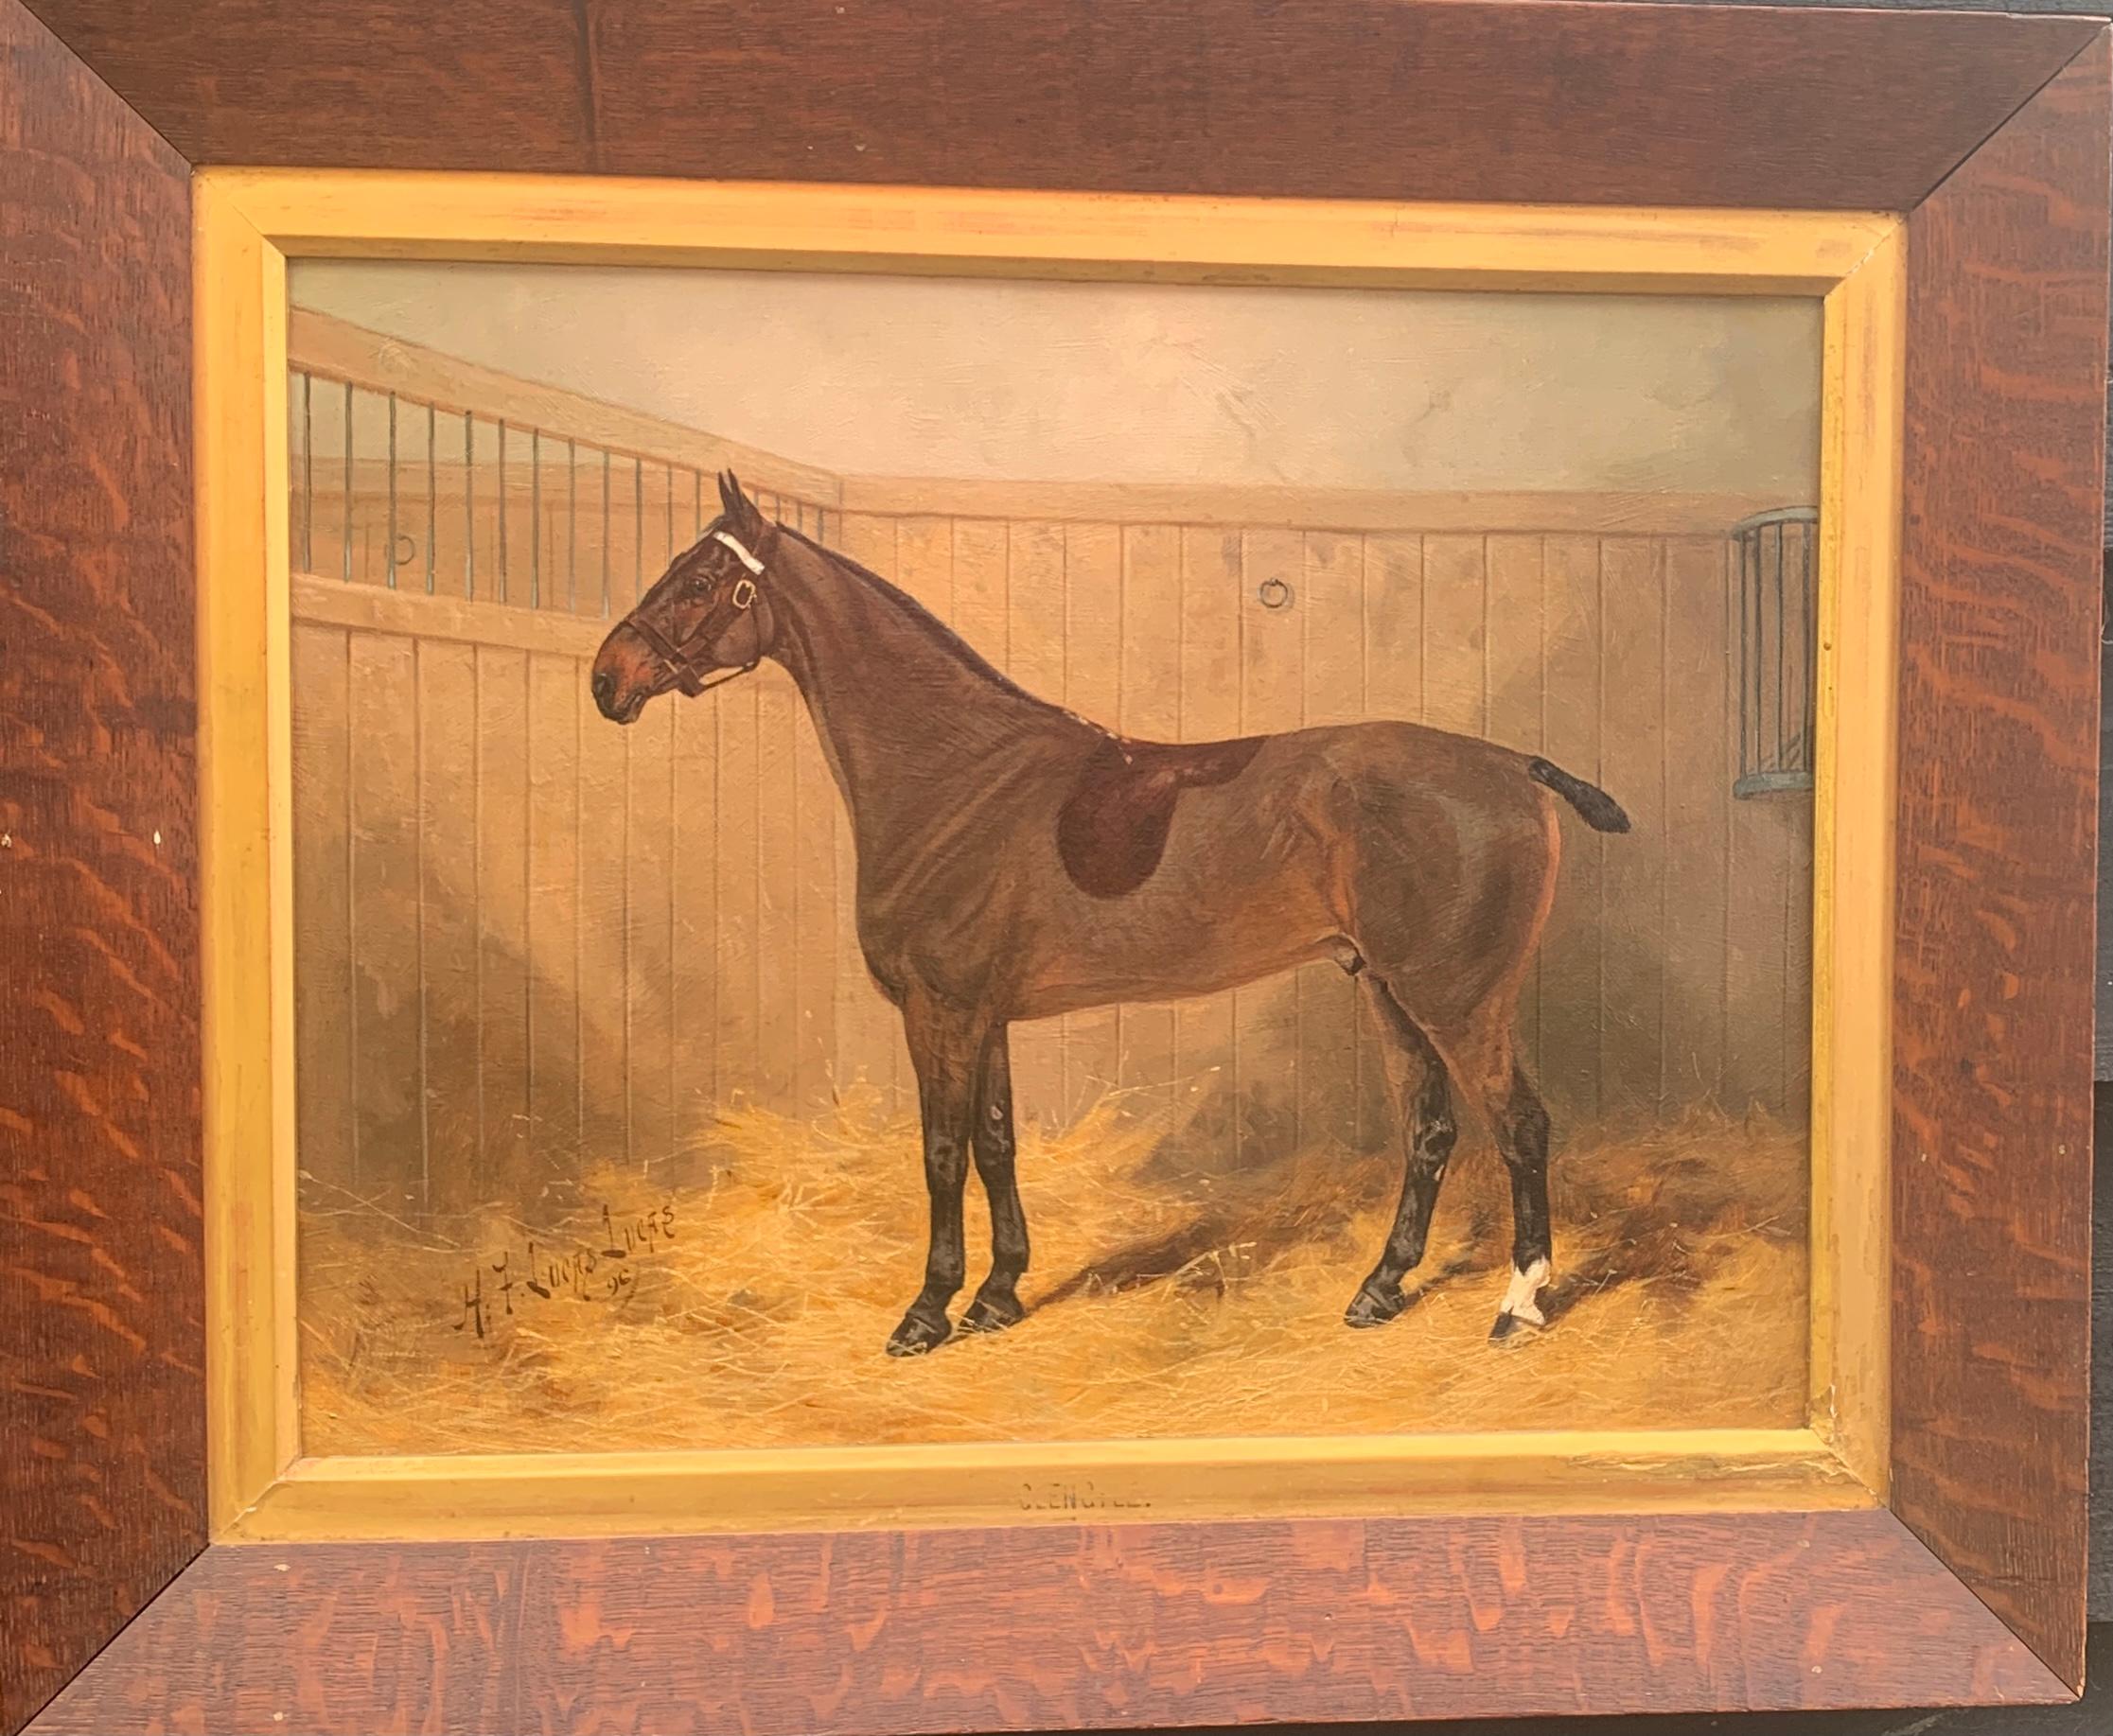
column 918, row 1334
column 993, row 1314
column 1520, row 1308
column 1373, row 1306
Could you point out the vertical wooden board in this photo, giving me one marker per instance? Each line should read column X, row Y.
column 1035, row 607
column 370, row 564
column 483, row 497
column 453, row 518
column 329, row 419
column 1273, row 699
column 1209, row 691
column 452, row 1033
column 1633, row 751
column 535, row 553
column 1456, row 633
column 1034, row 658
column 1093, row 683
column 1769, row 851
column 654, row 522
column 506, row 935
column 300, row 470
column 649, row 946
column 388, row 1126
column 816, row 813
column 869, row 538
column 513, row 540
column 869, row 1030
column 694, row 878
column 1697, row 817
column 622, row 553
column 1330, row 610
column 1763, row 857
column 573, row 497
column 697, row 504
column 1393, row 684
column 777, row 709
column 602, row 933
column 383, row 814
column 1149, row 706
column 394, row 503
column 1515, row 685
column 1572, row 951
column 924, row 562
column 1394, row 625
column 980, row 587
column 1797, row 963
column 550, row 545
column 557, row 692
column 587, row 548
column 436, row 508
column 738, row 952
column 321, row 908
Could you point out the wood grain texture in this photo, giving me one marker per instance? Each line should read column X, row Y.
column 1999, row 724
column 102, row 1335
column 1094, row 1627
column 1481, row 100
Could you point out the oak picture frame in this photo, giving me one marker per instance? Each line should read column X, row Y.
column 1965, row 374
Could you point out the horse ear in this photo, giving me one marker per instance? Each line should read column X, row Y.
column 740, row 511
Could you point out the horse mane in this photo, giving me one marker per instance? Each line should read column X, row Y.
column 931, row 627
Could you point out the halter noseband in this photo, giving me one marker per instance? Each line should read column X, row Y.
column 681, row 658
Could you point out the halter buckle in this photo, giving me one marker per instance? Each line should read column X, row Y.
column 744, row 593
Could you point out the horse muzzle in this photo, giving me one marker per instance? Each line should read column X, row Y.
column 621, row 681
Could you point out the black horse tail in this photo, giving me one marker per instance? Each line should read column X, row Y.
column 1598, row 810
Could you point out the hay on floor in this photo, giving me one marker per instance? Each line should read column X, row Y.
column 1166, row 1298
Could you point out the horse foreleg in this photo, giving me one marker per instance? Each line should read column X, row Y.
column 945, row 1050
column 1416, row 1078
column 998, row 1303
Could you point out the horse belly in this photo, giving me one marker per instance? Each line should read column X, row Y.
column 1224, row 906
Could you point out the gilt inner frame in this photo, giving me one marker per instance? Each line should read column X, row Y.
column 249, row 224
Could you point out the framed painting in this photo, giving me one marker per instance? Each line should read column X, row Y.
column 1083, row 943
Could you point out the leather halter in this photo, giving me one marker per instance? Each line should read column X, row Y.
column 680, row 660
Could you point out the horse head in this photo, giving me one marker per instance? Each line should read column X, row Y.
column 708, row 614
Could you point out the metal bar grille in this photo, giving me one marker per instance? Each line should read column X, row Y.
column 379, row 529
column 1776, row 649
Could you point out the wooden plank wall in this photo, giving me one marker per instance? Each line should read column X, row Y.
column 525, row 932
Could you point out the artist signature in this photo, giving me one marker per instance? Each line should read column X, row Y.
column 588, row 1273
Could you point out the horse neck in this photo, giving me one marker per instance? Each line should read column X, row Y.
column 902, row 710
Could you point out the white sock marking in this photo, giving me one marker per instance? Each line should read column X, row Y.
column 1519, row 1297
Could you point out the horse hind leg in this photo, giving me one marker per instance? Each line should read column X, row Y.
column 1422, row 1101
column 997, row 1301
column 1489, row 1070
column 1521, row 1129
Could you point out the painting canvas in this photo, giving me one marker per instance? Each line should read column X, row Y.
column 894, row 860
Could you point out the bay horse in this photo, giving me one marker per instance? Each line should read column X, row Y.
column 1015, row 860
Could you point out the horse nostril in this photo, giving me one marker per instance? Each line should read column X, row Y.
column 604, row 689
